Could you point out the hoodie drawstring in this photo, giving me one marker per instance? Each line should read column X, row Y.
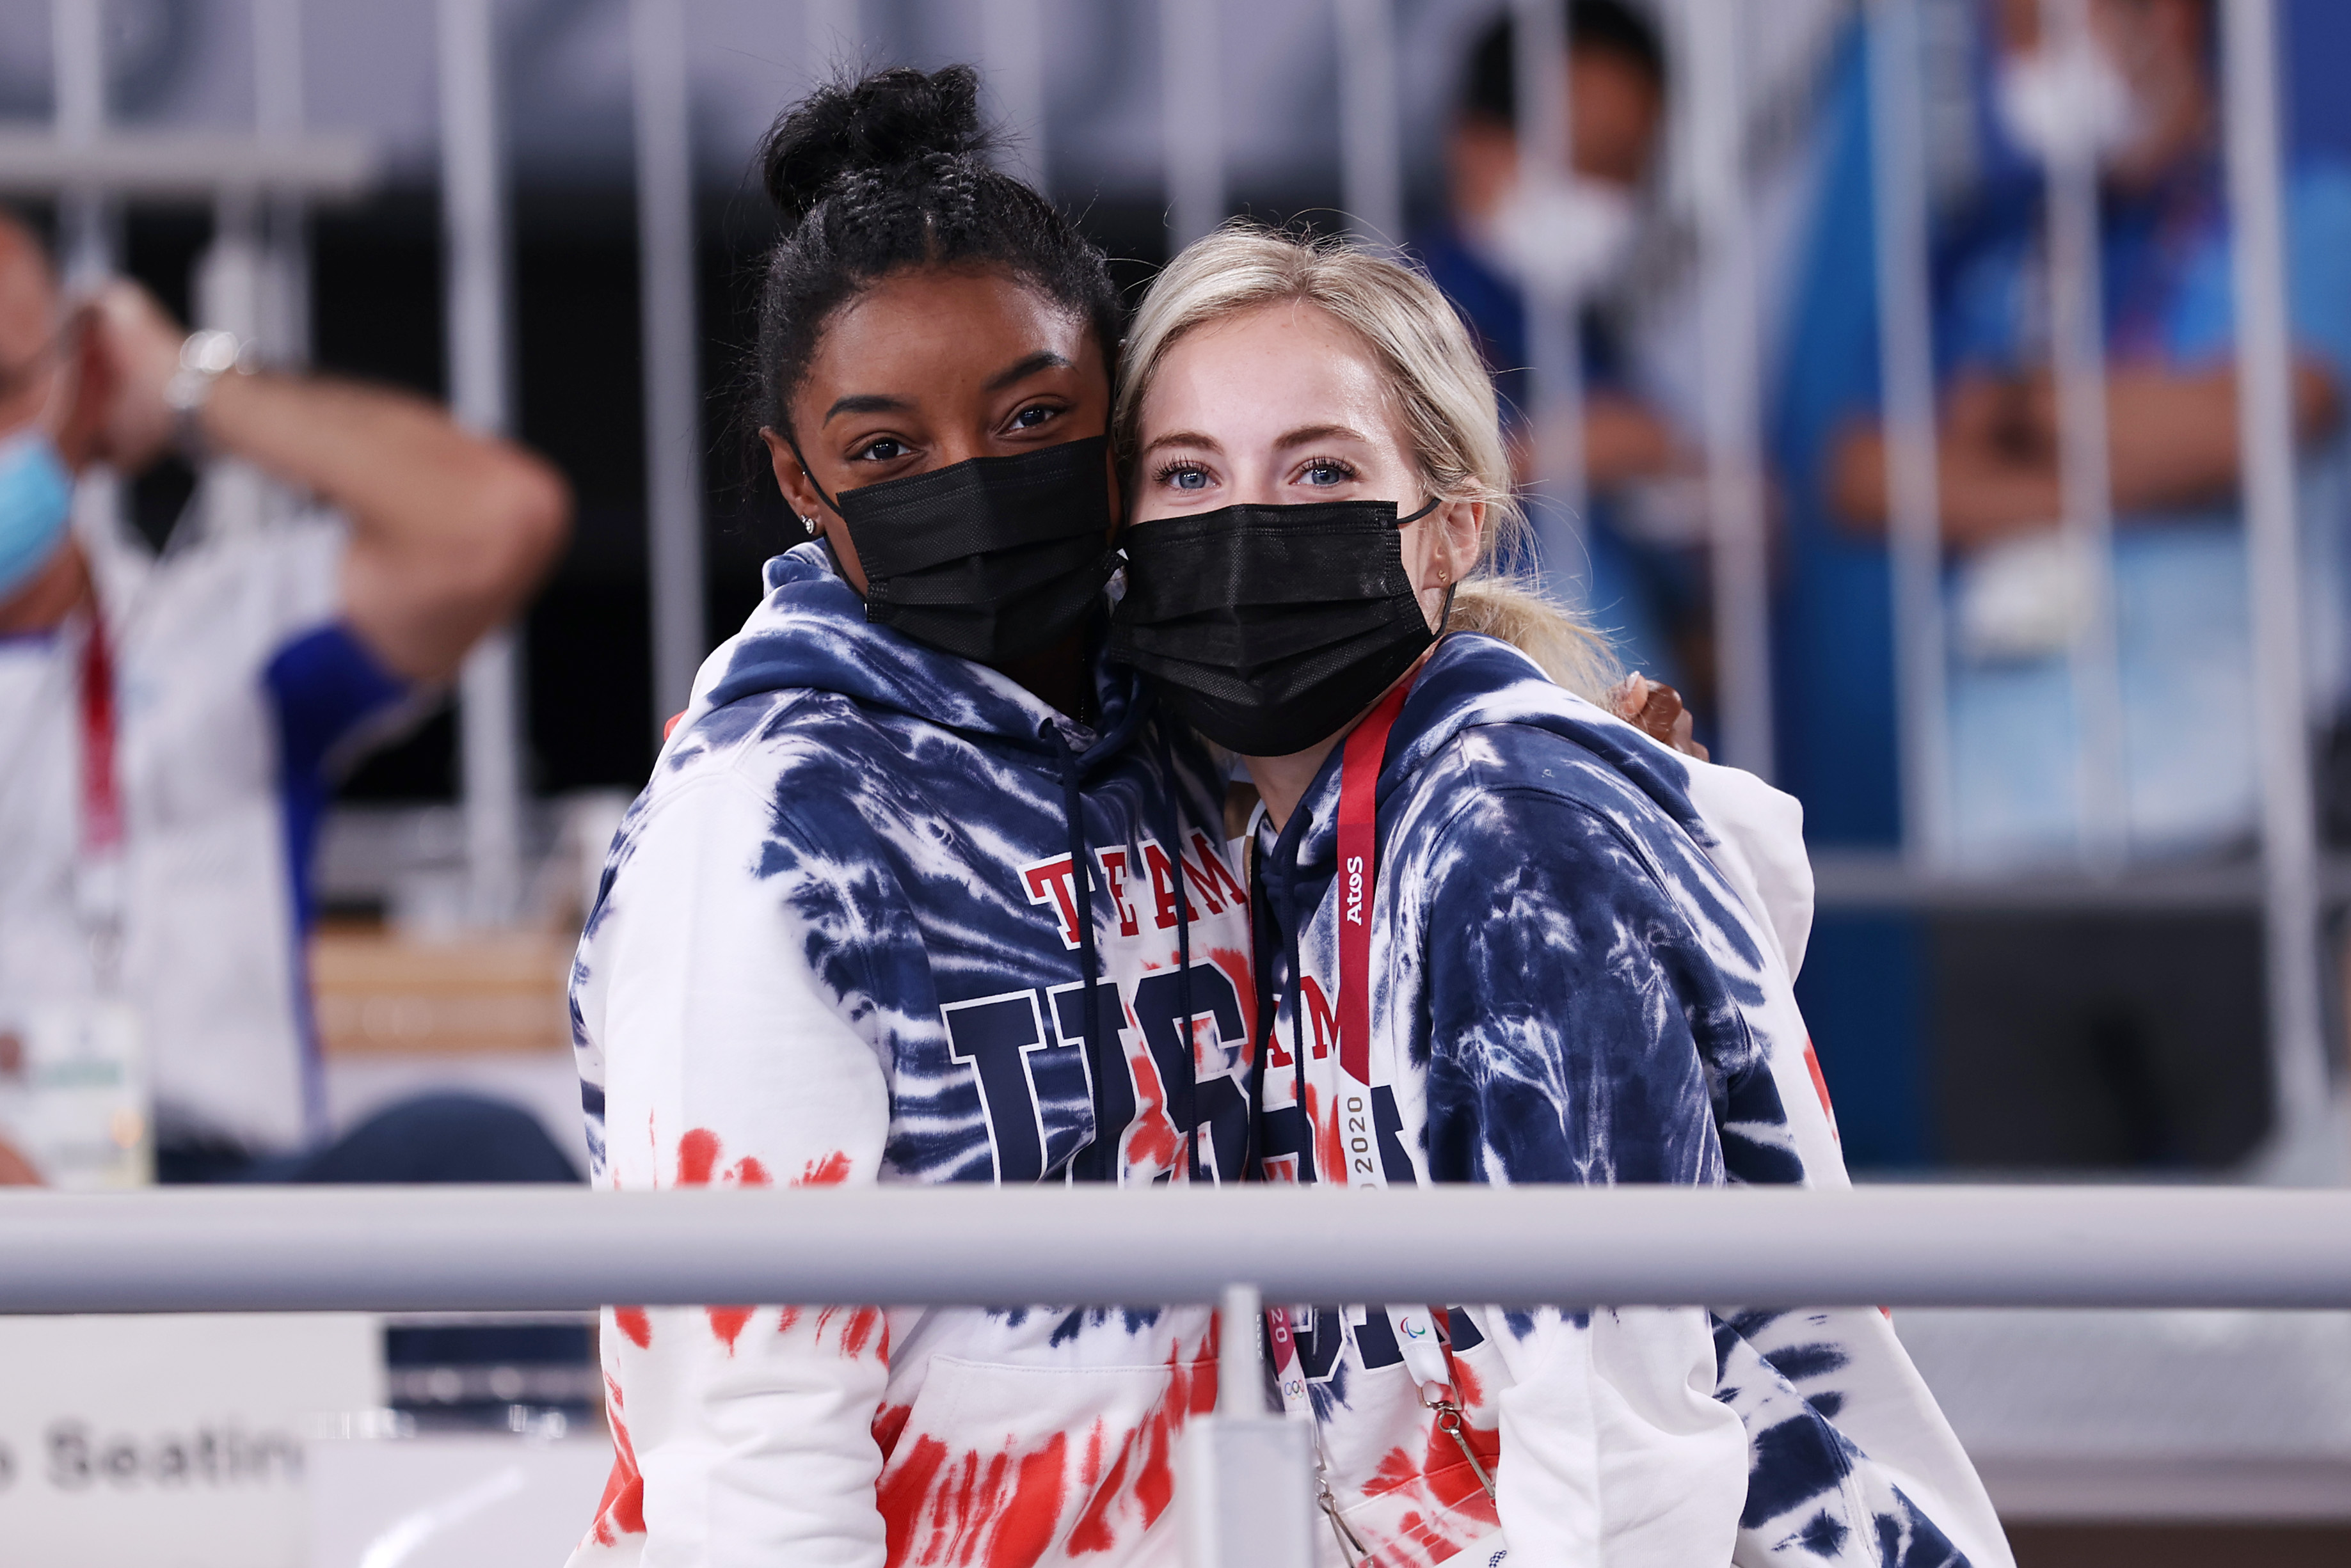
column 1104, row 1165
column 1186, row 1109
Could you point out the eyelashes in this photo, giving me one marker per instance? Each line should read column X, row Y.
column 1335, row 471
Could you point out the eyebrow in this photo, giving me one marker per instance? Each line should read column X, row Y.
column 1043, row 359
column 1184, row 438
column 867, row 403
column 1305, row 433
column 1299, row 437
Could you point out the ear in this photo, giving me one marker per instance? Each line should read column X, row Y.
column 800, row 494
column 1461, row 525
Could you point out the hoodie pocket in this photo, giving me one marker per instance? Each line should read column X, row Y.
column 1017, row 1466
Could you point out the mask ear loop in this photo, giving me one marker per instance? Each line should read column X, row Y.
column 1443, row 616
column 809, row 475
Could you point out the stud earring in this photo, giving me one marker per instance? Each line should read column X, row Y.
column 809, row 523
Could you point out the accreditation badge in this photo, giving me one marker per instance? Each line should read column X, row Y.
column 74, row 1092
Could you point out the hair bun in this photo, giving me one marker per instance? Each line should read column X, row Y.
column 883, row 121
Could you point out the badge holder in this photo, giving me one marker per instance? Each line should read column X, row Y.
column 73, row 1072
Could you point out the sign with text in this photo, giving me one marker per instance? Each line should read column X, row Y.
column 170, row 1442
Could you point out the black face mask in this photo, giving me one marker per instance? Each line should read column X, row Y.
column 1268, row 628
column 992, row 559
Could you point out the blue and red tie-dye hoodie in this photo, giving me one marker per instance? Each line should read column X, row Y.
column 1580, row 970
column 840, row 940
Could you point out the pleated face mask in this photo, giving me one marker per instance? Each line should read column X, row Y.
column 1269, row 628
column 993, row 558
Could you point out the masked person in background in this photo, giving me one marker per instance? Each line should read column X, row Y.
column 2092, row 1039
column 1501, row 937
column 920, row 892
column 170, row 728
column 1504, row 241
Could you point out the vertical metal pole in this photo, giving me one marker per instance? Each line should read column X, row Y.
column 1733, row 392
column 836, row 37
column 474, row 215
column 1013, row 41
column 1554, row 411
column 1191, row 117
column 1907, row 367
column 1245, row 1479
column 2305, row 1145
column 673, row 387
column 1241, row 1371
column 280, row 110
column 2077, row 356
column 78, row 47
column 233, row 496
column 1371, row 137
column 86, row 219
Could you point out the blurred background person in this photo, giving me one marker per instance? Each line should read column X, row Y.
column 1495, row 236
column 2131, row 1038
column 172, row 726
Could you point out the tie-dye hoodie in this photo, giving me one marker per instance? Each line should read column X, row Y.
column 839, row 939
column 1580, row 966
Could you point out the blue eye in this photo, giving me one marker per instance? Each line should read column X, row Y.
column 1184, row 476
column 1322, row 472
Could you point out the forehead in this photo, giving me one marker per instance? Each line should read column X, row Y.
column 1283, row 361
column 936, row 321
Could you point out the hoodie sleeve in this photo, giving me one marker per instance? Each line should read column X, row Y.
column 1566, row 1000
column 743, row 1434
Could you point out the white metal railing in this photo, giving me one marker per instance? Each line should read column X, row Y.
column 484, row 1248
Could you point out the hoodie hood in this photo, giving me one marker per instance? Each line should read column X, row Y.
column 810, row 633
column 1472, row 679
column 1753, row 833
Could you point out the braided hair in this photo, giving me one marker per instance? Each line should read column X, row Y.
column 890, row 172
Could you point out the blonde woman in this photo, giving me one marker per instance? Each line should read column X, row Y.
column 1502, row 936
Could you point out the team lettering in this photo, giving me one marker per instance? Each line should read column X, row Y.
column 1209, row 884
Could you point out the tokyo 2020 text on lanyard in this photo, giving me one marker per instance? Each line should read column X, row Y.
column 1426, row 1355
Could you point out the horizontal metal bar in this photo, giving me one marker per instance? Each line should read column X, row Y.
column 478, row 1249
column 187, row 165
column 1862, row 880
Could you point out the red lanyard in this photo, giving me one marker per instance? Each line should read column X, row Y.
column 101, row 796
column 1359, row 867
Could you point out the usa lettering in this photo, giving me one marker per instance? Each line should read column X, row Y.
column 1038, row 1093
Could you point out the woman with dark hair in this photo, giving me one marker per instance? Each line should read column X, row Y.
column 918, row 893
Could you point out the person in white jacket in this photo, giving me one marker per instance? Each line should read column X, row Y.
column 920, row 892
column 1502, row 937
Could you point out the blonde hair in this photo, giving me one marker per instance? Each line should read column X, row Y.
column 1441, row 390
